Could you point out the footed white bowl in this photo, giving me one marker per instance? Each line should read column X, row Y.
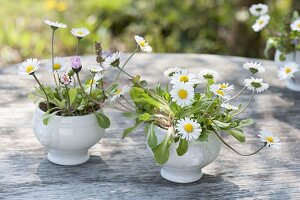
column 68, row 139
column 188, row 168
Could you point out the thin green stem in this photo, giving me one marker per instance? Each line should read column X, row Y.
column 239, row 112
column 52, row 56
column 127, row 101
column 91, row 86
column 235, row 96
column 77, row 47
column 121, row 70
column 123, row 105
column 68, row 100
column 241, row 154
column 43, row 89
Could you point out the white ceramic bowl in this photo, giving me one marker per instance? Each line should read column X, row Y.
column 290, row 84
column 67, row 138
column 188, row 168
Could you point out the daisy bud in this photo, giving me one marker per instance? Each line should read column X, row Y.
column 76, row 64
column 65, row 79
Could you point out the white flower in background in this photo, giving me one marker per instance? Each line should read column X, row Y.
column 28, row 67
column 80, row 32
column 112, row 61
column 171, row 71
column 295, row 25
column 254, row 67
column 183, row 94
column 288, row 70
column 96, row 69
column 188, row 129
column 270, row 139
column 143, row 44
column 255, row 84
column 261, row 23
column 65, row 79
column 120, row 92
column 55, row 24
column 229, row 106
column 226, row 87
column 92, row 83
column 208, row 74
column 258, row 9
column 218, row 91
column 58, row 65
column 184, row 77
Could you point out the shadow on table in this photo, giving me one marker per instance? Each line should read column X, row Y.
column 52, row 173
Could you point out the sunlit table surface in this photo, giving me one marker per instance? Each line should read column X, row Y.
column 124, row 169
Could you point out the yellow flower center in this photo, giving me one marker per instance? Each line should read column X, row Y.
column 270, row 139
column 182, row 94
column 142, row 43
column 223, row 86
column 118, row 91
column 298, row 25
column 260, row 22
column 287, row 70
column 56, row 66
column 220, row 92
column 184, row 79
column 80, row 33
column 91, row 82
column 29, row 69
column 188, row 128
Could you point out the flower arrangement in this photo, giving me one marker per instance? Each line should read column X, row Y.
column 285, row 40
column 188, row 114
column 71, row 96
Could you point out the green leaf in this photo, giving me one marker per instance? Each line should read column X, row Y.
column 246, row 122
column 237, row 134
column 72, row 94
column 182, row 147
column 130, row 129
column 145, row 117
column 130, row 114
column 152, row 139
column 47, row 116
column 203, row 137
column 221, row 124
column 103, row 120
column 161, row 152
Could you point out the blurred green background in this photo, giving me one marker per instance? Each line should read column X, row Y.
column 189, row 26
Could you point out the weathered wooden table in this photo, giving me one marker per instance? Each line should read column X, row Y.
column 124, row 169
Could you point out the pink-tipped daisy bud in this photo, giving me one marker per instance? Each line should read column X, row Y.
column 76, row 64
column 65, row 79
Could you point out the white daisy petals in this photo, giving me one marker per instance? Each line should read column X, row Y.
column 145, row 47
column 229, row 106
column 258, row 9
column 59, row 65
column 219, row 91
column 120, row 92
column 28, row 67
column 255, row 84
column 184, row 77
column 254, row 67
column 80, row 32
column 112, row 61
column 261, row 23
column 208, row 74
column 65, row 79
column 172, row 71
column 55, row 24
column 295, row 25
column 188, row 129
column 288, row 70
column 270, row 139
column 183, row 94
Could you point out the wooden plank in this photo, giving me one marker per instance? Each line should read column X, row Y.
column 124, row 169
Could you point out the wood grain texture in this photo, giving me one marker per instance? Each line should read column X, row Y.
column 124, row 169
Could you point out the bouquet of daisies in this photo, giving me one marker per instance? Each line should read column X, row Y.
column 189, row 114
column 71, row 96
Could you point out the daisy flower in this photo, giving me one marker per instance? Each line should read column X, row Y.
column 219, row 92
column 119, row 92
column 172, row 71
column 295, row 25
column 255, row 84
column 58, row 65
column 226, row 87
column 112, row 61
column 143, row 44
column 258, row 9
column 208, row 74
column 184, row 77
column 254, row 67
column 270, row 139
column 80, row 32
column 95, row 69
column 188, row 129
column 55, row 25
column 229, row 106
column 65, row 78
column 261, row 23
column 288, row 70
column 92, row 83
column 28, row 67
column 183, row 94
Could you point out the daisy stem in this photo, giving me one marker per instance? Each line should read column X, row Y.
column 235, row 96
column 128, row 109
column 241, row 154
column 294, row 56
column 68, row 100
column 239, row 112
column 80, row 85
column 91, row 87
column 52, row 56
column 127, row 101
column 43, row 89
column 77, row 47
column 121, row 70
